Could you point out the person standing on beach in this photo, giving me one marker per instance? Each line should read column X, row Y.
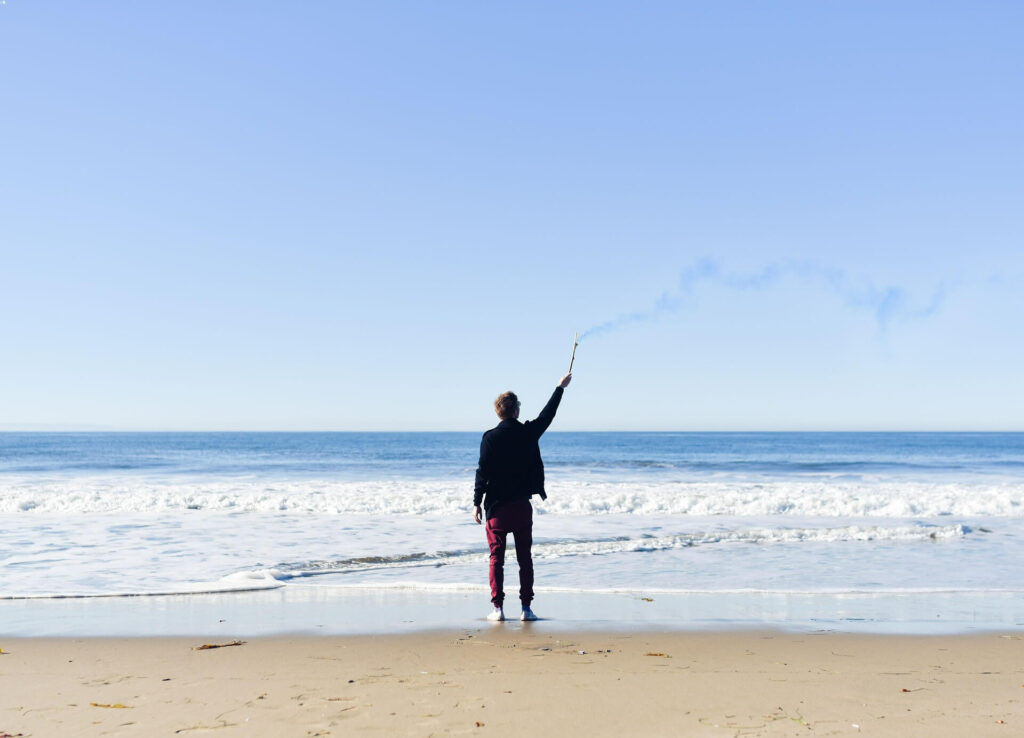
column 510, row 472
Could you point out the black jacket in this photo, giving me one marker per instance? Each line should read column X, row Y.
column 510, row 466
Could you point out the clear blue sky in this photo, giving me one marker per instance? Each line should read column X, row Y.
column 377, row 216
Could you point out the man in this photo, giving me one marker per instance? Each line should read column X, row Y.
column 509, row 473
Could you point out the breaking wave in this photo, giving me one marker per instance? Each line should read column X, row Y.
column 441, row 497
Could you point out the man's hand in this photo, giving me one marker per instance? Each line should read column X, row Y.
column 565, row 380
column 477, row 515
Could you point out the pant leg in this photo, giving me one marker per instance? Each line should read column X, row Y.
column 496, row 538
column 524, row 542
column 523, row 534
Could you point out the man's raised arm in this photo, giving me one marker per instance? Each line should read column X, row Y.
column 543, row 420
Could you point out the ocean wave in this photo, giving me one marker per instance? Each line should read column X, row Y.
column 629, row 550
column 243, row 581
column 617, row 545
column 442, row 497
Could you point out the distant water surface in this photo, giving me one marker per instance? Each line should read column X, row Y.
column 356, row 456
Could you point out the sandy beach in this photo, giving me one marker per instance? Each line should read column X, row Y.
column 515, row 679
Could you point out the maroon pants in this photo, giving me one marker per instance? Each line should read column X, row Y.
column 515, row 518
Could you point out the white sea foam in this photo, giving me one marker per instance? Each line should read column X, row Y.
column 243, row 581
column 618, row 545
column 191, row 552
column 791, row 498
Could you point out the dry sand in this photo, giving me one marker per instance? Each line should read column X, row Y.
column 518, row 680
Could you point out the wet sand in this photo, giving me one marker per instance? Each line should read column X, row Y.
column 514, row 679
column 341, row 611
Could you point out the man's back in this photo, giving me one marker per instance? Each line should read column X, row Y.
column 510, row 465
column 508, row 452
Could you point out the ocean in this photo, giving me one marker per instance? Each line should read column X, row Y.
column 112, row 514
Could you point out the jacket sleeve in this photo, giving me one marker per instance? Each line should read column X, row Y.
column 481, row 473
column 538, row 426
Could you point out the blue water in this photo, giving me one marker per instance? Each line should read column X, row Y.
column 356, row 456
column 897, row 515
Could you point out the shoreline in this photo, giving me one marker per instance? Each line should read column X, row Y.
column 308, row 610
column 501, row 681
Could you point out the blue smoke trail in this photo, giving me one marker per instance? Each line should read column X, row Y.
column 887, row 304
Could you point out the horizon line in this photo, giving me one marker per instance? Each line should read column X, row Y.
column 114, row 429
